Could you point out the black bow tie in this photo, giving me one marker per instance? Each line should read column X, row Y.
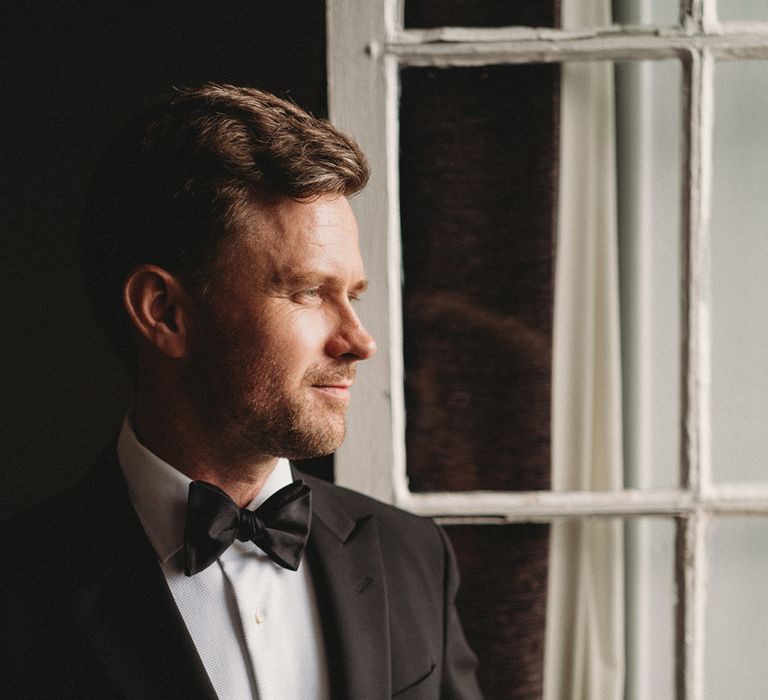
column 279, row 526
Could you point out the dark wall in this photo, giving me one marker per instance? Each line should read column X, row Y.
column 73, row 72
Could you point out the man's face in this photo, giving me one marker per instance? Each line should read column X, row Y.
column 273, row 351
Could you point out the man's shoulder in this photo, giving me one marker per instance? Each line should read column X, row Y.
column 359, row 504
column 397, row 528
column 47, row 533
column 38, row 527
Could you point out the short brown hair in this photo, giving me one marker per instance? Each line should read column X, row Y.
column 179, row 177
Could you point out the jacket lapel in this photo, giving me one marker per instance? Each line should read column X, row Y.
column 123, row 603
column 345, row 559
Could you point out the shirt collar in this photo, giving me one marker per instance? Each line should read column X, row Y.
column 159, row 492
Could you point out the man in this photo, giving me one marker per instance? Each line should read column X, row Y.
column 221, row 256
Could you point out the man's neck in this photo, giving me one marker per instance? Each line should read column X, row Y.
column 185, row 449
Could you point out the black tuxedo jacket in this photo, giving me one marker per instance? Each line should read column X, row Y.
column 85, row 611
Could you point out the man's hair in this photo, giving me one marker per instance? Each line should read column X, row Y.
column 182, row 176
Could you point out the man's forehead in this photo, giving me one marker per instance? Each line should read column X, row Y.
column 287, row 222
column 291, row 242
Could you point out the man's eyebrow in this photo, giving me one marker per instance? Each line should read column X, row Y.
column 290, row 279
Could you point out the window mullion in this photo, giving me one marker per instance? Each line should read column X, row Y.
column 558, row 46
column 360, row 102
column 691, row 16
column 690, row 579
column 695, row 457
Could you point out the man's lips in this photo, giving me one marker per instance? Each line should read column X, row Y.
column 337, row 390
column 333, row 383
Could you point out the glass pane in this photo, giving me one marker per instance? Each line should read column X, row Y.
column 478, row 196
column 648, row 119
column 650, row 608
column 743, row 10
column 739, row 284
column 478, row 238
column 480, row 13
column 610, row 624
column 611, row 600
column 502, row 603
column 658, row 12
column 737, row 609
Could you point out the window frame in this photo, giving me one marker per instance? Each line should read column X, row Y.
column 367, row 45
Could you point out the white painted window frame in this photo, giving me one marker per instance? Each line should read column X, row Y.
column 367, row 45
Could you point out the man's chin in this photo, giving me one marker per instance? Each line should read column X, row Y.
column 314, row 451
column 309, row 444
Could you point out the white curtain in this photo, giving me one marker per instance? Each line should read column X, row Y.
column 584, row 657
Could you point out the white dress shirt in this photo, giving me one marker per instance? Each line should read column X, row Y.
column 255, row 625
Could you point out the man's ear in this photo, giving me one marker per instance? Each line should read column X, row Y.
column 156, row 304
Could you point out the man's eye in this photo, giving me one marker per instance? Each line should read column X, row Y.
column 312, row 293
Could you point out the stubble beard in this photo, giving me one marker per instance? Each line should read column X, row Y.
column 248, row 413
column 285, row 425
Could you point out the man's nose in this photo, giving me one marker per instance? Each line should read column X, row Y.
column 351, row 339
